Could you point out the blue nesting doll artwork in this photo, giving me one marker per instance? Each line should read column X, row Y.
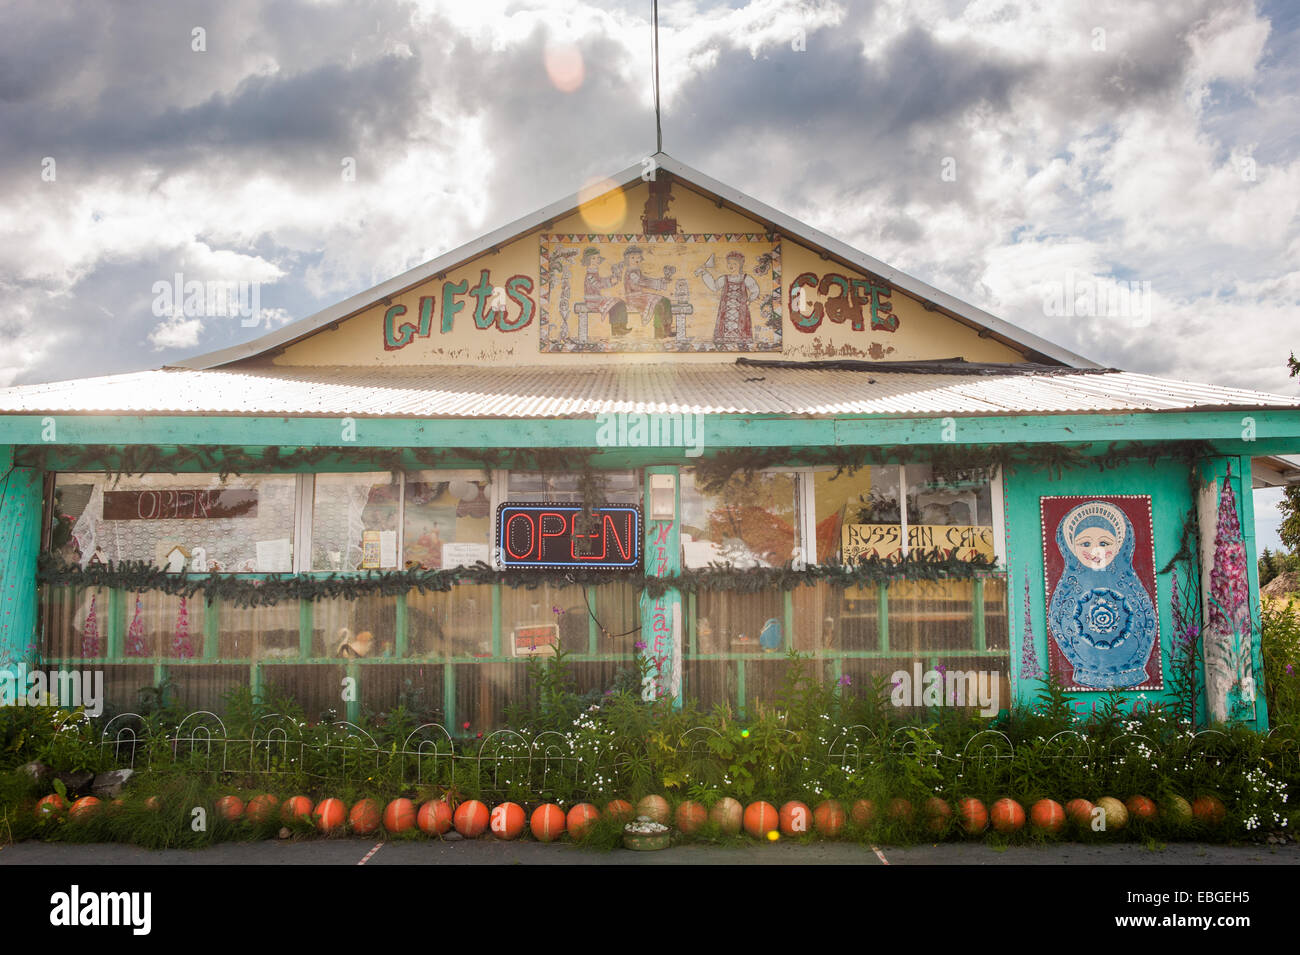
column 1099, row 568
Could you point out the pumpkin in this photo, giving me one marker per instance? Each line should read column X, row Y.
column 1114, row 815
column 938, row 815
column 728, row 815
column 974, row 816
column 330, row 815
column 1079, row 812
column 1007, row 816
column 900, row 810
column 399, row 816
column 1140, row 807
column 85, row 808
column 364, row 817
column 795, row 818
column 1047, row 815
column 829, row 818
column 863, row 812
column 1178, row 810
column 507, row 820
column 547, row 823
column 619, row 809
column 471, row 819
column 261, row 809
column 656, row 808
column 51, row 805
column 296, row 807
column 761, row 818
column 580, row 819
column 690, row 816
column 1207, row 810
column 435, row 817
column 230, row 808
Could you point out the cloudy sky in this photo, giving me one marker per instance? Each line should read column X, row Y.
column 997, row 150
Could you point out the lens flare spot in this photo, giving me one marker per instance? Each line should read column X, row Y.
column 602, row 205
column 564, row 66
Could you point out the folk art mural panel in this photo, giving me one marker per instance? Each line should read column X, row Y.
column 625, row 292
column 1099, row 573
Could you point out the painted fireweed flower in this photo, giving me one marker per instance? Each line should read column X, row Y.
column 845, row 680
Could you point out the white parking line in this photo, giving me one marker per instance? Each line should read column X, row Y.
column 879, row 855
column 380, row 845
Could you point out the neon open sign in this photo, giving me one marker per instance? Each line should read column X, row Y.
column 551, row 535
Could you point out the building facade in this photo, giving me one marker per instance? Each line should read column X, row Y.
column 669, row 432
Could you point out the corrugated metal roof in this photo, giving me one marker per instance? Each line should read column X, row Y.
column 572, row 391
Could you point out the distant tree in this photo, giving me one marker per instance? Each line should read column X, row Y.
column 1290, row 503
column 1267, row 566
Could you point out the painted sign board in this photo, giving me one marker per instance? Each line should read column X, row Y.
column 553, row 536
column 940, row 540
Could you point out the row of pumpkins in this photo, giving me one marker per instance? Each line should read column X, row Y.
column 548, row 822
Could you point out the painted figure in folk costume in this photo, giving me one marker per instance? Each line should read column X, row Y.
column 736, row 292
column 1229, row 669
column 1101, row 615
column 593, row 292
column 644, row 293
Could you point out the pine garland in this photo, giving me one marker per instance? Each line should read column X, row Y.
column 138, row 576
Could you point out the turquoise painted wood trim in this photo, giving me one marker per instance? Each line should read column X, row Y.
column 593, row 628
column 977, row 615
column 401, row 638
column 255, row 680
column 160, row 677
column 115, row 636
column 21, row 507
column 306, row 623
column 449, row 697
column 662, row 559
column 740, row 686
column 882, row 615
column 787, row 605
column 1275, row 431
column 1168, row 484
column 211, row 629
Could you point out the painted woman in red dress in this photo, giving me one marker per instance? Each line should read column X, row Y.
column 736, row 291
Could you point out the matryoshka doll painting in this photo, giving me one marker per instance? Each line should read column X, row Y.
column 1099, row 569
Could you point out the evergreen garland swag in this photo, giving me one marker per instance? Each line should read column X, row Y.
column 276, row 588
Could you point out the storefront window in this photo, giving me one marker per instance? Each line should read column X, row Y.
column 194, row 522
column 447, row 519
column 355, row 521
column 527, row 487
column 750, row 522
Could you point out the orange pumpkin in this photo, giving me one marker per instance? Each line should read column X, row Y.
column 656, row 808
column 728, row 815
column 581, row 818
column 51, row 805
column 1079, row 812
column 85, row 808
column 620, row 810
column 364, row 817
column 796, row 818
column 974, row 816
column 399, row 815
column 938, row 815
column 153, row 804
column 760, row 819
column 547, row 823
column 900, row 810
column 507, row 820
column 435, row 817
column 296, row 807
column 1047, row 815
column 330, row 815
column 690, row 817
column 829, row 818
column 471, row 819
column 261, row 809
column 1208, row 810
column 230, row 808
column 1008, row 815
column 1140, row 807
column 863, row 812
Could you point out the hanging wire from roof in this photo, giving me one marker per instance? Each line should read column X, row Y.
column 659, row 130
